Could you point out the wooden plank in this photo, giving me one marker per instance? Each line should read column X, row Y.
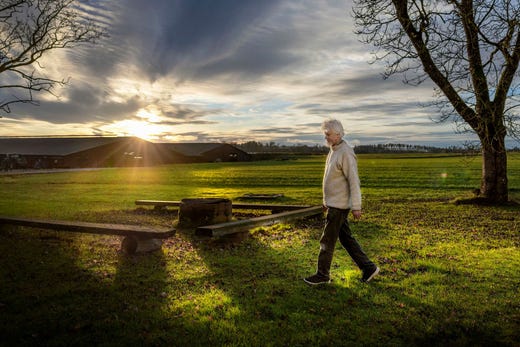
column 244, row 225
column 244, row 206
column 158, row 203
column 272, row 207
column 91, row 228
column 262, row 196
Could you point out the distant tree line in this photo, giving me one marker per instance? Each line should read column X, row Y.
column 254, row 147
column 272, row 147
column 408, row 148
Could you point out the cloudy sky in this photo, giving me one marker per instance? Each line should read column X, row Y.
column 228, row 71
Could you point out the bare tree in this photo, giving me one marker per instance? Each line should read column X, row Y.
column 29, row 29
column 470, row 50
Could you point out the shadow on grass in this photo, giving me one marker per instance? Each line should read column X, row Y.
column 49, row 298
column 264, row 300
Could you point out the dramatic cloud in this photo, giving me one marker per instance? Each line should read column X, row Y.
column 230, row 70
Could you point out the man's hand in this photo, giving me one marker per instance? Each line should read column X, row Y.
column 356, row 214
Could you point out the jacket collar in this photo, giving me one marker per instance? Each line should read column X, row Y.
column 335, row 147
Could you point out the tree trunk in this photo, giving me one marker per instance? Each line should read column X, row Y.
column 493, row 184
column 204, row 211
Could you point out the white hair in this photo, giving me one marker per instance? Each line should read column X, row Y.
column 331, row 124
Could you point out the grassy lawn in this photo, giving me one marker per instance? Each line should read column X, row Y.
column 449, row 272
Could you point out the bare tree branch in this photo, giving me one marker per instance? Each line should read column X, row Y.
column 30, row 29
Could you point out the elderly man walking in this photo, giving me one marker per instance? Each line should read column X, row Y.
column 341, row 194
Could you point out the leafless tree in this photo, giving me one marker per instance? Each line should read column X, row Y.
column 29, row 29
column 470, row 50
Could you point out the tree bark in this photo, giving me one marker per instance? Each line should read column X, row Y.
column 204, row 211
column 494, row 185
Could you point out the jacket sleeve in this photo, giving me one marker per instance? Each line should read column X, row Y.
column 351, row 174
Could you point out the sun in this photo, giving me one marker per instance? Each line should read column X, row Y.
column 146, row 125
column 139, row 128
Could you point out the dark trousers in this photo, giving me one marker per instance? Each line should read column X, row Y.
column 337, row 226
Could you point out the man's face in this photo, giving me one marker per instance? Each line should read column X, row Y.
column 332, row 137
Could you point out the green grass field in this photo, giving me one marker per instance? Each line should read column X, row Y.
column 449, row 271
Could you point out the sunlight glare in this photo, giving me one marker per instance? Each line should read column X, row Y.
column 147, row 126
column 142, row 129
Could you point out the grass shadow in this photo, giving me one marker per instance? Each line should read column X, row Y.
column 49, row 297
column 261, row 294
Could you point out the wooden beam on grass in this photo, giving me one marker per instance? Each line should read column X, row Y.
column 245, row 206
column 137, row 238
column 90, row 228
column 247, row 224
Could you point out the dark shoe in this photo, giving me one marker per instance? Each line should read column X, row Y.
column 316, row 279
column 369, row 274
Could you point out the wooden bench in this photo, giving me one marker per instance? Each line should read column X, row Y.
column 137, row 239
column 279, row 213
column 274, row 208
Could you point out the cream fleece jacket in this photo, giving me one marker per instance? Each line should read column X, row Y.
column 341, row 186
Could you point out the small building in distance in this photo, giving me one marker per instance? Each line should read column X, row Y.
column 78, row 152
column 96, row 151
